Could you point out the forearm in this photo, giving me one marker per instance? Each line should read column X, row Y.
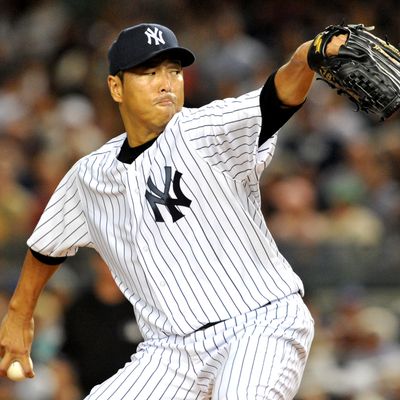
column 293, row 80
column 17, row 327
column 33, row 278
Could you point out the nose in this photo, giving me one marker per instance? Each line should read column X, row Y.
column 165, row 82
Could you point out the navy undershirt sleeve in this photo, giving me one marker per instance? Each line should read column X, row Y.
column 46, row 259
column 274, row 113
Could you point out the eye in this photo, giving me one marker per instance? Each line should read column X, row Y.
column 176, row 70
column 147, row 71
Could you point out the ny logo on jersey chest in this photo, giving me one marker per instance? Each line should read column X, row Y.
column 157, row 197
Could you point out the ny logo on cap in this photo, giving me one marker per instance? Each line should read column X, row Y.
column 156, row 35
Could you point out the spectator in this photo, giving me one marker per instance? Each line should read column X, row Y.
column 296, row 218
column 99, row 330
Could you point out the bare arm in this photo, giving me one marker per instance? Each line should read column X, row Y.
column 17, row 327
column 293, row 80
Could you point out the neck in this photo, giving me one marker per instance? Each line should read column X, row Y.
column 136, row 140
column 139, row 133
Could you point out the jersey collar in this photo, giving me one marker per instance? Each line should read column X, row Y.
column 128, row 154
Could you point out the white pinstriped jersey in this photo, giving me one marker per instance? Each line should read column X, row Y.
column 181, row 227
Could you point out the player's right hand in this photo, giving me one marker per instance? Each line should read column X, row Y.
column 16, row 336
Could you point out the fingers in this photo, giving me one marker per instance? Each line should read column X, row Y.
column 15, row 345
column 334, row 45
column 25, row 364
column 19, row 370
column 5, row 362
column 27, row 368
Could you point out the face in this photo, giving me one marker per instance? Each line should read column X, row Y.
column 148, row 96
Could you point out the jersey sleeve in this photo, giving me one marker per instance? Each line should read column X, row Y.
column 226, row 133
column 62, row 227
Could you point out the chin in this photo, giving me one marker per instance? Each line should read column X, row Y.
column 169, row 115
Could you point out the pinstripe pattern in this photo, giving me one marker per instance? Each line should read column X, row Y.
column 258, row 355
column 215, row 262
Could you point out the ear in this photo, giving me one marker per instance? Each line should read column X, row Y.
column 115, row 87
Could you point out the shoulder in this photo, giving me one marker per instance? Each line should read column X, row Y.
column 110, row 149
column 221, row 106
column 103, row 159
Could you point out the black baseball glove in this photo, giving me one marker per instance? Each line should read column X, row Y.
column 367, row 68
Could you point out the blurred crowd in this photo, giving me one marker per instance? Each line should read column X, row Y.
column 332, row 191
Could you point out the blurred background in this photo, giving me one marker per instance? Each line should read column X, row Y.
column 331, row 196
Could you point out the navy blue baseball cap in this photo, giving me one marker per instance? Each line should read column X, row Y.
column 140, row 43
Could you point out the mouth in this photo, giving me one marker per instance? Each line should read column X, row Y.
column 166, row 100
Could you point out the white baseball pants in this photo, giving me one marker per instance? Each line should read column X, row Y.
column 257, row 355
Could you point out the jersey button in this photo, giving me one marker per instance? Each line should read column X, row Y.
column 132, row 171
column 196, row 359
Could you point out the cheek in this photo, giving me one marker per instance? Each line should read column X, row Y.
column 181, row 100
column 139, row 96
column 180, row 95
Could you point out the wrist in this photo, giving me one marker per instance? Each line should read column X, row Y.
column 20, row 309
column 299, row 57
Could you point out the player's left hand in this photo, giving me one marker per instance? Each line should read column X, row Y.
column 332, row 49
column 360, row 65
